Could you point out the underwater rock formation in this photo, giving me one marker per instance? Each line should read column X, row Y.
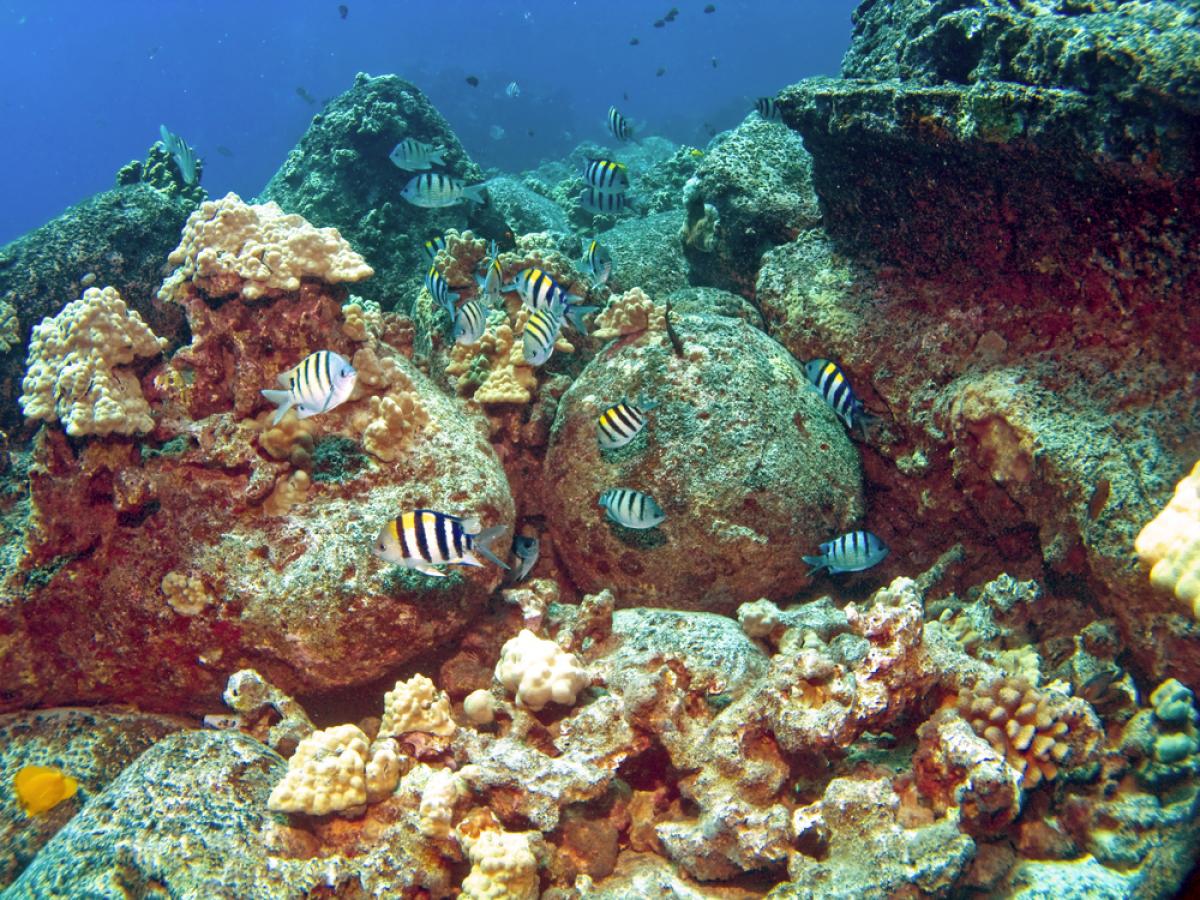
column 752, row 469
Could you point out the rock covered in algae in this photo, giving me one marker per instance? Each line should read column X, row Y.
column 749, row 464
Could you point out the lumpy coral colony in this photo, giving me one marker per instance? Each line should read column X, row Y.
column 988, row 227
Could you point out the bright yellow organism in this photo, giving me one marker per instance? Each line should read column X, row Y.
column 1170, row 544
column 40, row 788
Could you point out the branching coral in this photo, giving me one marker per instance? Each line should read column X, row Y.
column 631, row 313
column 1036, row 731
column 416, row 705
column 1170, row 543
column 74, row 367
column 230, row 247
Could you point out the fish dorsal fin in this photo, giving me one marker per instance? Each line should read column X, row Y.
column 285, row 378
column 470, row 525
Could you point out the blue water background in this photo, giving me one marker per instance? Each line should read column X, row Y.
column 85, row 85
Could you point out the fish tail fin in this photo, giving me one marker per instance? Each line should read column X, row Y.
column 282, row 399
column 436, row 156
column 474, row 193
column 481, row 543
column 575, row 316
column 817, row 562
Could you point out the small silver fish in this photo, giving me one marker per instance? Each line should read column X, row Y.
column 414, row 156
column 631, row 508
column 424, row 539
column 317, row 384
column 850, row 552
column 620, row 127
column 621, row 423
column 526, row 550
column 490, row 282
column 597, row 260
column 513, row 91
column 185, row 156
column 433, row 190
column 831, row 382
column 541, row 331
column 440, row 290
column 595, row 200
column 469, row 322
column 606, row 174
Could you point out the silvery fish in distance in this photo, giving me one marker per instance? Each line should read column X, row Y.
column 513, row 90
column 318, row 383
column 598, row 261
column 526, row 550
column 185, row 156
column 620, row 424
column 595, row 200
column 424, row 539
column 414, row 156
column 620, row 127
column 831, row 382
column 541, row 331
column 768, row 109
column 469, row 322
column 440, row 290
column 631, row 508
column 606, row 174
column 539, row 290
column 490, row 282
column 433, row 190
column 432, row 247
column 850, row 552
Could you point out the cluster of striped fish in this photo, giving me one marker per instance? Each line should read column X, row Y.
column 430, row 190
column 853, row 551
column 617, row 427
column 607, row 181
column 551, row 305
column 469, row 320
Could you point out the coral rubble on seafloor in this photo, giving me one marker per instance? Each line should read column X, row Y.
column 989, row 222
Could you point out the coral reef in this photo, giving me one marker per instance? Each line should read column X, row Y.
column 538, row 672
column 327, row 773
column 77, row 371
column 159, row 171
column 415, row 705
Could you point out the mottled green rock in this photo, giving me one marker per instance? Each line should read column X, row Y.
column 93, row 746
column 647, row 253
column 161, row 172
column 524, row 208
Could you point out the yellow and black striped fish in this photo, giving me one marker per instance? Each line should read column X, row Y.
column 620, row 424
column 424, row 539
column 621, row 128
column 606, row 174
column 433, row 246
column 595, row 200
column 439, row 290
column 541, row 331
column 433, row 190
column 833, row 386
column 540, row 291
column 598, row 261
column 633, row 509
column 321, row 381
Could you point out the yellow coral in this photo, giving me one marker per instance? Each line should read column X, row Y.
column 503, row 867
column 375, row 374
column 390, row 424
column 631, row 313
column 416, row 705
column 289, row 490
column 291, row 438
column 186, row 594
column 230, row 247
column 1170, row 543
column 327, row 773
column 74, row 361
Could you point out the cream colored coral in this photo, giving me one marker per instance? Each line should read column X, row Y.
column 392, row 421
column 442, row 793
column 327, row 773
column 362, row 320
column 383, row 770
column 375, row 374
column 507, row 380
column 760, row 618
column 416, row 705
column 1170, row 543
column 538, row 671
column 231, row 247
column 480, row 707
column 186, row 594
column 631, row 313
column 289, row 490
column 74, row 370
column 291, row 438
column 503, row 867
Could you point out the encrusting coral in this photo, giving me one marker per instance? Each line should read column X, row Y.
column 185, row 593
column 289, row 490
column 538, row 671
column 1170, row 543
column 291, row 438
column 631, row 313
column 327, row 773
column 416, row 705
column 503, row 867
column 231, row 247
column 390, row 423
column 75, row 361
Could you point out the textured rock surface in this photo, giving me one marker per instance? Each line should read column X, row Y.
column 750, row 466
column 647, row 253
column 93, row 746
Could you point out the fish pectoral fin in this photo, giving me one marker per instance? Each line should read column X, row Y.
column 426, row 569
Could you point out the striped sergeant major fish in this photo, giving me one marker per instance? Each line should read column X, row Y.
column 850, row 552
column 490, row 282
column 185, row 156
column 597, row 260
column 432, row 247
column 539, row 291
column 414, row 156
column 317, row 384
column 606, row 175
column 595, row 200
column 433, row 190
column 469, row 322
column 621, row 423
column 424, row 539
column 439, row 290
column 620, row 127
column 832, row 384
column 768, row 109
column 541, row 331
column 631, row 508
